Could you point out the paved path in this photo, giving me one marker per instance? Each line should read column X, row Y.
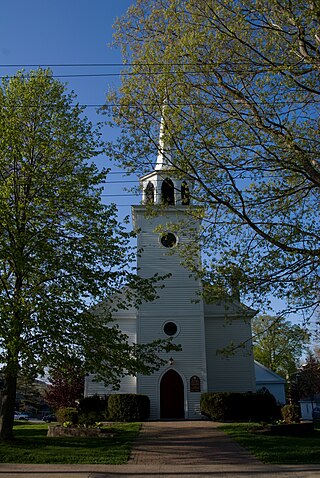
column 172, row 449
column 187, row 443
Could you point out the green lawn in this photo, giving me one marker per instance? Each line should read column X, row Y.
column 276, row 449
column 31, row 445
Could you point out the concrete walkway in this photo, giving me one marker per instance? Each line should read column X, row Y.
column 170, row 449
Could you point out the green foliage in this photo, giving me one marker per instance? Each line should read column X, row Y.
column 30, row 395
column 240, row 85
column 290, row 414
column 229, row 406
column 92, row 410
column 62, row 252
column 278, row 344
column 128, row 407
column 67, row 414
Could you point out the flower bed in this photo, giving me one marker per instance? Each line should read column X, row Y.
column 59, row 431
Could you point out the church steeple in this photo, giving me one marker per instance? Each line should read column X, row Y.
column 165, row 184
column 177, row 312
column 164, row 160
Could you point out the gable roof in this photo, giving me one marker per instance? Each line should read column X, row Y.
column 228, row 308
column 265, row 375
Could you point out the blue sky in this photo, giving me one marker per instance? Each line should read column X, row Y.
column 42, row 32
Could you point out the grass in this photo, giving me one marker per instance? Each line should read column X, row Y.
column 276, row 449
column 31, row 445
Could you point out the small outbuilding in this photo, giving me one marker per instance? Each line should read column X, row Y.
column 266, row 378
column 307, row 405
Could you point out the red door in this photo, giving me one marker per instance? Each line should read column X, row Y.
column 171, row 396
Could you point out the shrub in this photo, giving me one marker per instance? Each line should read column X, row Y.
column 217, row 406
column 225, row 406
column 92, row 409
column 263, row 407
column 128, row 407
column 290, row 414
column 67, row 414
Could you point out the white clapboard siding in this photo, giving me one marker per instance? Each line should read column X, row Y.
column 179, row 301
column 203, row 329
column 127, row 325
column 229, row 371
column 128, row 385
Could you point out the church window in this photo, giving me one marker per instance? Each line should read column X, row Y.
column 167, row 192
column 168, row 239
column 195, row 385
column 185, row 194
column 170, row 328
column 149, row 193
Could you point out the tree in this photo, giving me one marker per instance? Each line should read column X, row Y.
column 61, row 251
column 66, row 386
column 306, row 383
column 29, row 396
column 278, row 344
column 237, row 87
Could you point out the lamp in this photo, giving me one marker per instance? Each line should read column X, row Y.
column 170, row 361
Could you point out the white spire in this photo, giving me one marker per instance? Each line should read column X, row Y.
column 164, row 155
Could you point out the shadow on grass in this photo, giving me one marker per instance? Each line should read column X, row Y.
column 31, row 445
column 276, row 449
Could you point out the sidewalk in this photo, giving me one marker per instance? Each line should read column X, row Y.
column 196, row 449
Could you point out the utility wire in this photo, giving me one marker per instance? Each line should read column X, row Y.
column 90, row 65
column 204, row 106
column 220, row 69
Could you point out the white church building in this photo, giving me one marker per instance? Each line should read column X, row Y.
column 202, row 329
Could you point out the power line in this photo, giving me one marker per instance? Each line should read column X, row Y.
column 174, row 105
column 118, row 182
column 63, row 65
column 91, row 65
column 119, row 195
column 220, row 69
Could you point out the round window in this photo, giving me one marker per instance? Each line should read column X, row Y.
column 170, row 328
column 168, row 239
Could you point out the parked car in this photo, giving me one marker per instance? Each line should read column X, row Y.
column 49, row 418
column 21, row 416
column 316, row 413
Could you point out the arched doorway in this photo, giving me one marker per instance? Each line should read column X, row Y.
column 171, row 395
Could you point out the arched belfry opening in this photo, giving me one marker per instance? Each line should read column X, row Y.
column 185, row 194
column 171, row 396
column 167, row 192
column 149, row 193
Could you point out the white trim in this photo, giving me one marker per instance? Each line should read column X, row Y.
column 174, row 322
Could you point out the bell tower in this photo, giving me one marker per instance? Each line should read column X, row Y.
column 163, row 186
column 178, row 312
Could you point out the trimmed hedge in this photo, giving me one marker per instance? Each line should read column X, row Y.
column 128, row 407
column 93, row 409
column 224, row 406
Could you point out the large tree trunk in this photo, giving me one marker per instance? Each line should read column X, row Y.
column 8, row 398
